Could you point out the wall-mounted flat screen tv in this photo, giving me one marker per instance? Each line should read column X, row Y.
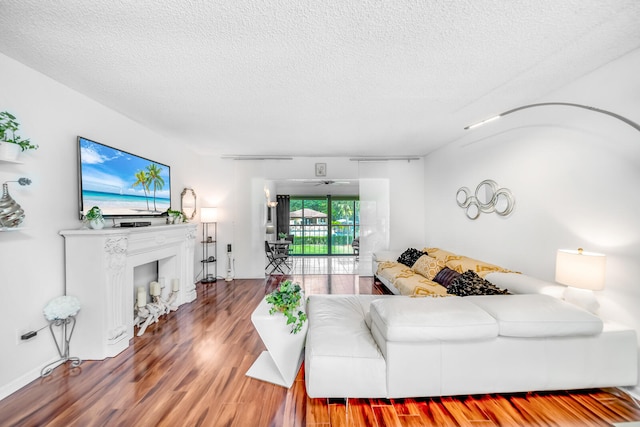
column 121, row 184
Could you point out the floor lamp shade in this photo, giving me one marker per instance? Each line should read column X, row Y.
column 580, row 269
column 208, row 215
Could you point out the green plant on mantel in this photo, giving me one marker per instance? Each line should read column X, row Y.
column 93, row 214
column 176, row 215
column 94, row 219
column 287, row 299
column 8, row 128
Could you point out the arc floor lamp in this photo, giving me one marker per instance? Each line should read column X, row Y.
column 631, row 123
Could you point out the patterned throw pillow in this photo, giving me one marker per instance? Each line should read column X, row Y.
column 410, row 256
column 469, row 283
column 428, row 267
column 464, row 263
column 446, row 276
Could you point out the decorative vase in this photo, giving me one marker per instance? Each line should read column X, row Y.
column 97, row 223
column 11, row 214
column 9, row 151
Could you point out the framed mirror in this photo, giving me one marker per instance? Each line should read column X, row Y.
column 504, row 202
column 188, row 203
column 463, row 197
column 485, row 195
column 473, row 211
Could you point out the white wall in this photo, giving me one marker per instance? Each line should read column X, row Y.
column 32, row 260
column 575, row 175
column 392, row 208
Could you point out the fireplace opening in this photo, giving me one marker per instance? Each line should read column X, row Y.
column 143, row 275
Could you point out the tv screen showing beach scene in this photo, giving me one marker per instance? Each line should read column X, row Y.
column 121, row 184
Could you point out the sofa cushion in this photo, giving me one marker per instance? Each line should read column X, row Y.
column 431, row 319
column 428, row 266
column 446, row 276
column 463, row 263
column 418, row 285
column 341, row 357
column 381, row 256
column 339, row 323
column 469, row 283
column 537, row 315
column 439, row 253
column 410, row 256
column 522, row 284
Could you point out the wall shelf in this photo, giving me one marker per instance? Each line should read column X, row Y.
column 13, row 162
column 3, row 229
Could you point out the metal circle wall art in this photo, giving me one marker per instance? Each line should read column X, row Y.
column 488, row 197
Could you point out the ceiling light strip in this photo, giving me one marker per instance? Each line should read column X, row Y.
column 242, row 157
column 381, row 159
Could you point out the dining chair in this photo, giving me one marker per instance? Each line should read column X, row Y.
column 276, row 260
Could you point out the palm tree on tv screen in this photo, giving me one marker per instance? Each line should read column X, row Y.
column 142, row 179
column 154, row 178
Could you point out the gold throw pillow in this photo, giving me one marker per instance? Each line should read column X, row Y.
column 428, row 266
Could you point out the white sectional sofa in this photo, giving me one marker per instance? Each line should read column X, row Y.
column 367, row 346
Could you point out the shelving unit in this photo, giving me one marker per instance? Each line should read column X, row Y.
column 209, row 253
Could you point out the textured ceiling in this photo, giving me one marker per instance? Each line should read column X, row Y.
column 316, row 78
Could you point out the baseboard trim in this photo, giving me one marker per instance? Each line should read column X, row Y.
column 15, row 385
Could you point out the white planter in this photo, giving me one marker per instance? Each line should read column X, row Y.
column 9, row 151
column 97, row 224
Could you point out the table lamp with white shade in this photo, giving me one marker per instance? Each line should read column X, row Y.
column 583, row 272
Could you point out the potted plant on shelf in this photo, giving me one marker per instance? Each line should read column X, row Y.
column 94, row 218
column 11, row 145
column 288, row 300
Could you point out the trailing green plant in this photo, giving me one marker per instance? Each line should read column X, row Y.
column 8, row 127
column 287, row 299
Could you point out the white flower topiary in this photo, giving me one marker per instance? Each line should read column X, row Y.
column 62, row 307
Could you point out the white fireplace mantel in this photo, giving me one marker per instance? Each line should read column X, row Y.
column 99, row 271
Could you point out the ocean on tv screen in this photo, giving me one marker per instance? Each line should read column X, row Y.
column 124, row 204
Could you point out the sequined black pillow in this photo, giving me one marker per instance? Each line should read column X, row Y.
column 410, row 256
column 469, row 283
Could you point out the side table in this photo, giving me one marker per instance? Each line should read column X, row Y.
column 281, row 362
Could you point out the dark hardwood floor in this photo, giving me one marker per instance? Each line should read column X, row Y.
column 189, row 370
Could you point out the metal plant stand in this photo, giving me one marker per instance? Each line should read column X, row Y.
column 63, row 346
column 61, row 312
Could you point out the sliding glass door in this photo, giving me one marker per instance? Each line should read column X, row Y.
column 324, row 225
column 345, row 225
